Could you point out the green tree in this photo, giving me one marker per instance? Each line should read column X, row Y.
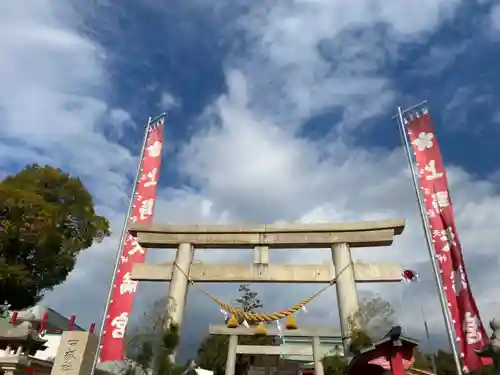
column 248, row 301
column 373, row 319
column 149, row 344
column 334, row 365
column 143, row 357
column 47, row 218
column 4, row 310
column 147, row 332
column 169, row 343
column 445, row 365
column 359, row 341
column 212, row 352
column 422, row 362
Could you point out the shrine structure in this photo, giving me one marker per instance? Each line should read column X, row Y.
column 394, row 352
column 340, row 238
column 18, row 344
column 314, row 349
column 24, row 344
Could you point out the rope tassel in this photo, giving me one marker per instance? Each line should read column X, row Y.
column 261, row 330
column 291, row 323
column 233, row 322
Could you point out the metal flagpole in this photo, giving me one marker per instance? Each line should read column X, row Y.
column 121, row 244
column 428, row 238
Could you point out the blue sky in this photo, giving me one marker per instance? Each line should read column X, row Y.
column 278, row 111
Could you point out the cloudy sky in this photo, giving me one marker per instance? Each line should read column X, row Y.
column 278, row 111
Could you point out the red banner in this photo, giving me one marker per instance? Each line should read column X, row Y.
column 469, row 330
column 124, row 289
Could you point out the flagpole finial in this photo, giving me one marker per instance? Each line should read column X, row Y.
column 412, row 108
column 158, row 119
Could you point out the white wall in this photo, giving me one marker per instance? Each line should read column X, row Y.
column 52, row 344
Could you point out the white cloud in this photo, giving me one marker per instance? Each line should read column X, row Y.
column 120, row 116
column 249, row 162
column 52, row 97
column 168, row 101
column 252, row 162
column 53, row 109
column 495, row 17
column 309, row 56
column 440, row 58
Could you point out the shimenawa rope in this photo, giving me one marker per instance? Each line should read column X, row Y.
column 255, row 317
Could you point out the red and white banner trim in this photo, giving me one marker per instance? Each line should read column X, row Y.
column 469, row 330
column 124, row 289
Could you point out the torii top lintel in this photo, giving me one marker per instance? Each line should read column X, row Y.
column 356, row 234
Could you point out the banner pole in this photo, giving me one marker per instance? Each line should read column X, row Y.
column 120, row 245
column 428, row 238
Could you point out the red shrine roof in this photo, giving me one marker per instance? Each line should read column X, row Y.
column 374, row 360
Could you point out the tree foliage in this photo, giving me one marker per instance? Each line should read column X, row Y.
column 359, row 341
column 4, row 310
column 248, row 301
column 150, row 345
column 47, row 218
column 422, row 362
column 445, row 365
column 212, row 353
column 334, row 365
column 169, row 343
column 373, row 319
column 148, row 330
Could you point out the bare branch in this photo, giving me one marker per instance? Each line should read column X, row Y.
column 375, row 317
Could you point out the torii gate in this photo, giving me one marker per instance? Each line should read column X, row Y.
column 339, row 237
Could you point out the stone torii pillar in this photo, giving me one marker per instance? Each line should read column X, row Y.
column 179, row 283
column 347, row 295
column 339, row 237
